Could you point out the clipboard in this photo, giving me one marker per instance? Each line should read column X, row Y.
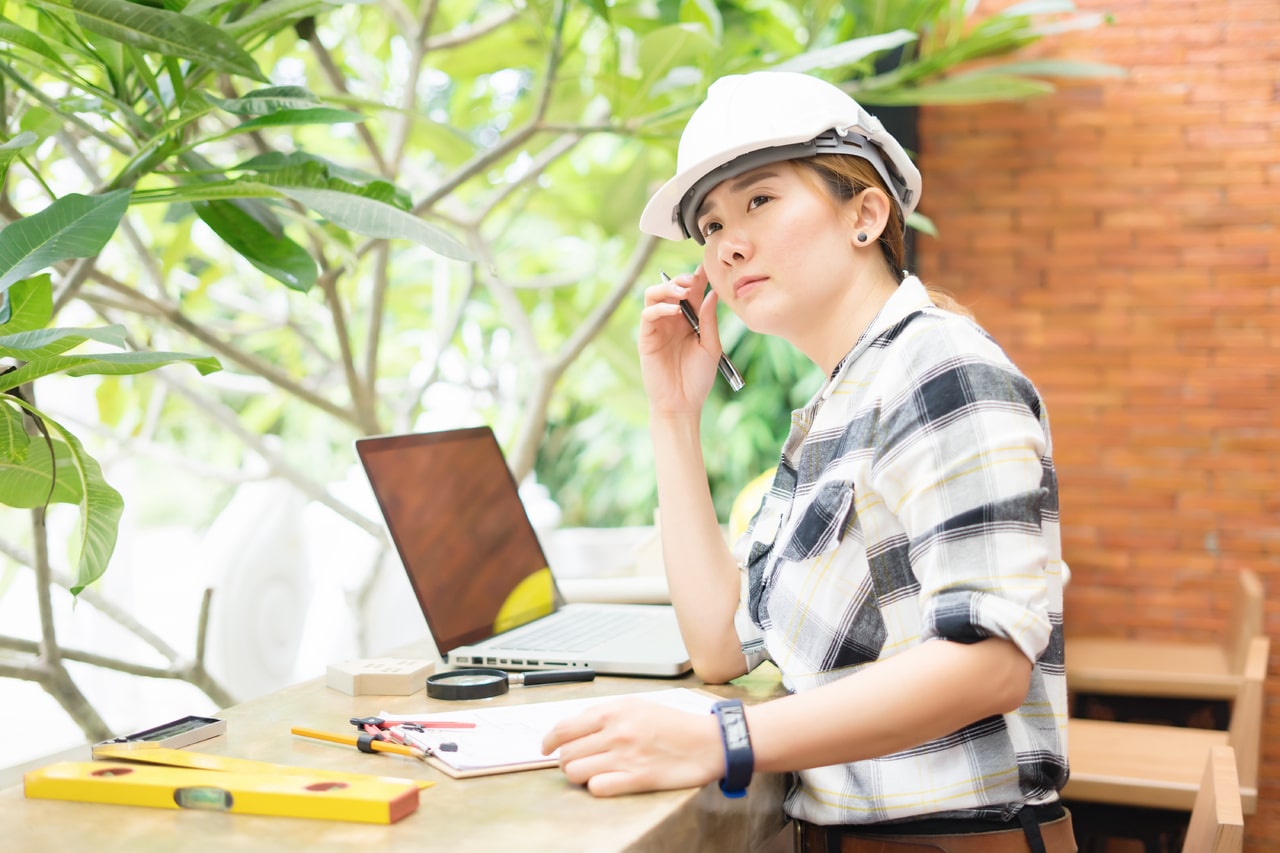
column 508, row 738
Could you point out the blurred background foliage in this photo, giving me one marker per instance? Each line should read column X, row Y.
column 377, row 217
column 266, row 227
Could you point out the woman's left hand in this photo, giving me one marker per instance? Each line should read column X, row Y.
column 632, row 745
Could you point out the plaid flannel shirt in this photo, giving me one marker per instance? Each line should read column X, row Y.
column 916, row 500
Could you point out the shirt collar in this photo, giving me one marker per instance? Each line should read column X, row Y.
column 909, row 297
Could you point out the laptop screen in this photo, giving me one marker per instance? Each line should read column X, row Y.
column 455, row 516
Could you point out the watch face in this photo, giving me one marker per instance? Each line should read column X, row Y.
column 735, row 731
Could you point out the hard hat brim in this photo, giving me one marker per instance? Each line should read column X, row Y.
column 661, row 216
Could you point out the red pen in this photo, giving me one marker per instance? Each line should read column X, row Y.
column 372, row 724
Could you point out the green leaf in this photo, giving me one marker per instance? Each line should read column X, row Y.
column 376, row 219
column 264, row 101
column 671, row 47
column 74, row 226
column 1054, row 68
column 273, row 16
column 204, row 7
column 705, row 12
column 961, row 89
column 922, row 223
column 288, row 118
column 276, row 161
column 138, row 60
column 21, row 37
column 846, row 53
column 43, row 343
column 14, row 441
column 206, row 191
column 105, row 364
column 274, row 254
column 29, row 305
column 40, row 121
column 28, row 476
column 1039, row 7
column 100, row 511
column 164, row 32
column 100, row 505
column 314, row 174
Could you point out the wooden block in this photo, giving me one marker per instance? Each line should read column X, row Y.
column 379, row 676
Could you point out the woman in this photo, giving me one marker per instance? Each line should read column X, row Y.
column 904, row 572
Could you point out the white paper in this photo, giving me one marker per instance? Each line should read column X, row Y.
column 512, row 735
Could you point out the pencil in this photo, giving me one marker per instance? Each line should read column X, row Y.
column 354, row 740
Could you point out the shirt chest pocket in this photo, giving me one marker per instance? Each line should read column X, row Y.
column 822, row 525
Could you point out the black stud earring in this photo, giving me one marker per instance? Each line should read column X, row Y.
column 862, row 236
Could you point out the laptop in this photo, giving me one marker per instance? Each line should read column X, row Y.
column 482, row 581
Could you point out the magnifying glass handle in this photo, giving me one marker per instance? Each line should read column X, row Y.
column 556, row 676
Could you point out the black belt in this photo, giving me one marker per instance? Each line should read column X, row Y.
column 957, row 825
column 1028, row 818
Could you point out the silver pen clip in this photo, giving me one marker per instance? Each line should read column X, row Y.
column 727, row 370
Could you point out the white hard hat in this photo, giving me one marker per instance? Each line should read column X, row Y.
column 751, row 120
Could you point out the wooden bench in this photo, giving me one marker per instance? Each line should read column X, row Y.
column 1135, row 764
column 1217, row 820
column 1128, row 667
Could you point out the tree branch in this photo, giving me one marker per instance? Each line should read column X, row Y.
column 373, row 333
column 597, row 319
column 503, row 294
column 72, row 282
column 448, row 333
column 365, row 416
column 474, row 167
column 191, row 671
column 96, row 600
column 144, row 255
column 400, row 132
column 470, row 32
column 252, row 363
column 339, row 82
column 48, row 649
column 277, row 465
column 557, row 149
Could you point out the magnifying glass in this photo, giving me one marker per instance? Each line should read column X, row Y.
column 483, row 683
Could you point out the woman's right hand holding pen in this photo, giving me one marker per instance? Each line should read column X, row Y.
column 678, row 365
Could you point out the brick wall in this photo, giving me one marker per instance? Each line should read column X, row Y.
column 1119, row 238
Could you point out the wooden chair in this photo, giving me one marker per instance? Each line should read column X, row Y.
column 1217, row 821
column 1135, row 764
column 1122, row 666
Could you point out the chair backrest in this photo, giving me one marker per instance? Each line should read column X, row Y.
column 1245, row 731
column 1246, row 618
column 1217, row 820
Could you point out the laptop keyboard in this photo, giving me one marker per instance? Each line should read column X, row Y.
column 576, row 634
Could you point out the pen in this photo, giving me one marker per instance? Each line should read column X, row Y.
column 365, row 743
column 727, row 370
column 380, row 723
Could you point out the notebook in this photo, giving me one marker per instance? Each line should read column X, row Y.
column 475, row 564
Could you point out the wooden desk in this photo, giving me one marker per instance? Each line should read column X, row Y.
column 537, row 810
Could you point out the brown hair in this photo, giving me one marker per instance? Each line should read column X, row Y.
column 845, row 177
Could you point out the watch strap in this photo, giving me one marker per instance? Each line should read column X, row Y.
column 739, row 759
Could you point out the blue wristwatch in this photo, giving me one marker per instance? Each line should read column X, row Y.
column 739, row 760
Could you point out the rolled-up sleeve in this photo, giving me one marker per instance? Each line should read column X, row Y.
column 959, row 462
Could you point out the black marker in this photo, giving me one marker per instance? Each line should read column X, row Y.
column 727, row 370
